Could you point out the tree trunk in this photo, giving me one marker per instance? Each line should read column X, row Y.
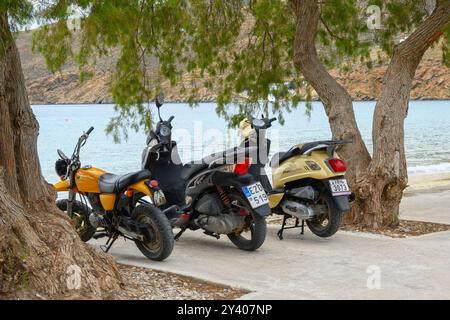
column 335, row 98
column 39, row 249
column 382, row 188
column 379, row 182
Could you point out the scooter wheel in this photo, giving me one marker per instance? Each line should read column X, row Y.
column 256, row 227
column 327, row 224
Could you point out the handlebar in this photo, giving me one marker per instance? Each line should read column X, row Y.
column 90, row 130
column 171, row 118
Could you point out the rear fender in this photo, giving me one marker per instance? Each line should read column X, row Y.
column 342, row 203
column 238, row 181
column 141, row 187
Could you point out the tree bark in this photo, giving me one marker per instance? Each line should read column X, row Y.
column 38, row 245
column 378, row 182
column 335, row 98
column 382, row 188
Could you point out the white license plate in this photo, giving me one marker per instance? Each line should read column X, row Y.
column 256, row 195
column 339, row 187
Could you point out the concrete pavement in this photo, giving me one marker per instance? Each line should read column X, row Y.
column 427, row 206
column 307, row 267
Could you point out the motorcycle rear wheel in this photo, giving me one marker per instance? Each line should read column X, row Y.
column 159, row 242
column 326, row 225
column 256, row 227
column 80, row 218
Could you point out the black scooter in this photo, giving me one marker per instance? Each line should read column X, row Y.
column 215, row 194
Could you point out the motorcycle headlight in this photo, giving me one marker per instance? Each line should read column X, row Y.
column 61, row 166
column 164, row 131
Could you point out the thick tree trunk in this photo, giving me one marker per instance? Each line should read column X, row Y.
column 386, row 179
column 335, row 98
column 378, row 182
column 39, row 249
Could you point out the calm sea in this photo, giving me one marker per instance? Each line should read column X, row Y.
column 199, row 131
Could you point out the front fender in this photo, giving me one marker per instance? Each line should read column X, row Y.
column 62, row 185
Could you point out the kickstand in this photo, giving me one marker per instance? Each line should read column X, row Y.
column 179, row 234
column 280, row 232
column 105, row 248
column 297, row 225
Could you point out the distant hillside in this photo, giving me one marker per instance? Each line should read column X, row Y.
column 432, row 80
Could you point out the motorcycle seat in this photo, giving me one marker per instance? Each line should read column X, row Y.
column 111, row 183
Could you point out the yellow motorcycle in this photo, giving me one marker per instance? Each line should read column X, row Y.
column 308, row 180
column 116, row 205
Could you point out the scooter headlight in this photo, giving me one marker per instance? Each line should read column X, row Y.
column 258, row 123
column 164, row 131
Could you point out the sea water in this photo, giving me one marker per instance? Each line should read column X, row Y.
column 199, row 132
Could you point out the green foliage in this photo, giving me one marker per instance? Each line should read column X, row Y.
column 446, row 47
column 20, row 12
column 243, row 50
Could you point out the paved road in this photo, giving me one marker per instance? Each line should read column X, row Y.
column 306, row 267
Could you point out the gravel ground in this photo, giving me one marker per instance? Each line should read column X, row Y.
column 149, row 284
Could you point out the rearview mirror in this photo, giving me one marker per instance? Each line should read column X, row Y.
column 62, row 155
column 159, row 99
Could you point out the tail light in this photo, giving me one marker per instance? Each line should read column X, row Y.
column 337, row 165
column 242, row 168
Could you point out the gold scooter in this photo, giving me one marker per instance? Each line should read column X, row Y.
column 309, row 182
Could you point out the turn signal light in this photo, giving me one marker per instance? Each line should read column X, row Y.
column 242, row 168
column 154, row 184
column 337, row 165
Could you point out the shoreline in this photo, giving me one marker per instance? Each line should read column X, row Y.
column 212, row 101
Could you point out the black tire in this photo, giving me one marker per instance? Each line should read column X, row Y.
column 160, row 243
column 333, row 217
column 256, row 225
column 80, row 218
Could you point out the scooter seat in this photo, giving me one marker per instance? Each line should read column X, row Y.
column 111, row 183
column 277, row 159
column 306, row 148
column 190, row 169
column 229, row 156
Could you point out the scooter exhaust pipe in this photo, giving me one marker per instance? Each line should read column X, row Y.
column 297, row 210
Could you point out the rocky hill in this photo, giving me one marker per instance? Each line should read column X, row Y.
column 432, row 80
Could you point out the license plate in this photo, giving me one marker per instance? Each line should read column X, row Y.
column 339, row 187
column 256, row 195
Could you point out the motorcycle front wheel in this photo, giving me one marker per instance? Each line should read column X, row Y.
column 253, row 233
column 80, row 218
column 328, row 219
column 158, row 239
